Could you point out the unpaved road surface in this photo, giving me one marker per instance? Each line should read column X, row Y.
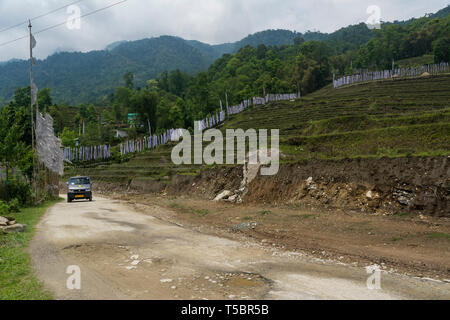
column 124, row 254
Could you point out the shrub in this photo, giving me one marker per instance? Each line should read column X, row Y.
column 20, row 191
column 4, row 208
column 14, row 205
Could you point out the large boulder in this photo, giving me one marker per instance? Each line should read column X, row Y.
column 14, row 228
column 3, row 221
column 224, row 195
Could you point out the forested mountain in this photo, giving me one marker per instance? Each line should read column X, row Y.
column 87, row 77
column 90, row 77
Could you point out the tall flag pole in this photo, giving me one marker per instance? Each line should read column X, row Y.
column 226, row 100
column 33, row 98
column 32, row 45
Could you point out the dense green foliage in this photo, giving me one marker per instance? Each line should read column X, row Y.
column 174, row 99
column 16, row 154
column 403, row 117
column 15, row 149
column 90, row 77
column 17, row 277
column 395, row 41
column 304, row 65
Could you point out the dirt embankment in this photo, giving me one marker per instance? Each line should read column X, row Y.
column 393, row 212
column 419, row 185
column 383, row 186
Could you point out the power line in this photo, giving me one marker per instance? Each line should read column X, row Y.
column 82, row 16
column 40, row 16
column 63, row 23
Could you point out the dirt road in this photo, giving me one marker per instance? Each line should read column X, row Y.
column 124, row 254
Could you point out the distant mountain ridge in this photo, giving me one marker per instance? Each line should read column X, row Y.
column 76, row 77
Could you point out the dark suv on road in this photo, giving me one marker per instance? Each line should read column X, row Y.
column 79, row 188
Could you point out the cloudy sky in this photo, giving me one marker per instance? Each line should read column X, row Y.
column 211, row 21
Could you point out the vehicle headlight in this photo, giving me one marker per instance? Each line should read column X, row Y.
column 71, row 190
column 88, row 189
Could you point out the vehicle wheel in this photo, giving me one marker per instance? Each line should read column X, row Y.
column 69, row 200
column 90, row 199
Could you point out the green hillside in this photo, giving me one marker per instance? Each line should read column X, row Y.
column 76, row 77
column 91, row 77
column 380, row 119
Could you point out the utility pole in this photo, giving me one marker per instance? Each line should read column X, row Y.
column 33, row 183
column 31, row 85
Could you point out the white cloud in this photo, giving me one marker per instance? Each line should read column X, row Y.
column 211, row 21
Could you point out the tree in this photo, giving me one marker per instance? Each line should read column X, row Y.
column 145, row 104
column 128, row 78
column 22, row 97
column 68, row 138
column 261, row 51
column 44, row 99
column 122, row 103
column 176, row 83
column 298, row 41
column 152, row 85
column 441, row 50
column 163, row 81
column 176, row 117
column 58, row 118
column 14, row 152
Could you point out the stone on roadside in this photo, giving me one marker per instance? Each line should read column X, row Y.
column 225, row 194
column 14, row 228
column 372, row 195
column 3, row 221
column 244, row 226
column 166, row 280
column 310, row 185
column 232, row 198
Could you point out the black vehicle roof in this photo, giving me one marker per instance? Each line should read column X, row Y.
column 80, row 177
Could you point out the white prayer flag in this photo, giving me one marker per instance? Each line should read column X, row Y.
column 34, row 91
column 33, row 42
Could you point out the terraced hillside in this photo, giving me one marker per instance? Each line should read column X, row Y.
column 386, row 118
column 381, row 119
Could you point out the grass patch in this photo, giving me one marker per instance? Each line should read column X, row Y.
column 294, row 205
column 17, row 279
column 431, row 139
column 402, row 214
column 438, row 235
column 265, row 212
column 393, row 118
column 201, row 212
column 175, row 205
column 305, row 216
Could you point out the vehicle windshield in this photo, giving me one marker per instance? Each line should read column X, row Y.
column 79, row 181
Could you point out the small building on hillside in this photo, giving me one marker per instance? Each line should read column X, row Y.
column 121, row 134
column 132, row 117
